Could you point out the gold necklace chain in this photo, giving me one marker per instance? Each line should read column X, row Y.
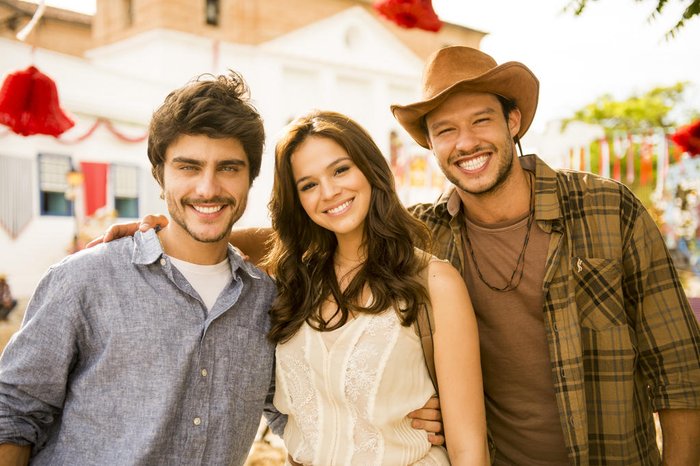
column 520, row 264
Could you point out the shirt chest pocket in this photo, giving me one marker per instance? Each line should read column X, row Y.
column 251, row 365
column 598, row 290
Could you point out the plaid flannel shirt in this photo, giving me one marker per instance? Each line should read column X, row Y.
column 623, row 341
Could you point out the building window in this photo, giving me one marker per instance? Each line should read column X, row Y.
column 125, row 182
column 53, row 185
column 212, row 12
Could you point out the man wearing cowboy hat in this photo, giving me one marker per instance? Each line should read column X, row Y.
column 584, row 327
column 585, row 330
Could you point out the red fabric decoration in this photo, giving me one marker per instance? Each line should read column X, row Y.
column 687, row 138
column 110, row 127
column 94, row 185
column 29, row 104
column 410, row 13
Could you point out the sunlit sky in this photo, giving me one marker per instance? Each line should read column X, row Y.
column 611, row 48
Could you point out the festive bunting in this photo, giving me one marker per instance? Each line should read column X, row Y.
column 617, row 159
column 629, row 150
column 16, row 194
column 661, row 161
column 572, row 156
column 604, row 158
column 646, row 165
column 110, row 127
column 647, row 157
column 410, row 13
column 29, row 104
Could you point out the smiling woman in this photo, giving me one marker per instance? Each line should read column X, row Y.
column 350, row 278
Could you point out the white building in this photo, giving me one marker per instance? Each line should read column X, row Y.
column 114, row 69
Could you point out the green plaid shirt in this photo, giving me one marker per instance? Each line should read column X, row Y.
column 623, row 341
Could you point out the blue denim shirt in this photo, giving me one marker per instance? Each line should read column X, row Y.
column 119, row 363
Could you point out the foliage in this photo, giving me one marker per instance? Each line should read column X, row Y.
column 692, row 8
column 636, row 114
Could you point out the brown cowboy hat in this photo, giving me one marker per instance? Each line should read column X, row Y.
column 459, row 68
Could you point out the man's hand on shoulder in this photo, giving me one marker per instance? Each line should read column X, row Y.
column 120, row 230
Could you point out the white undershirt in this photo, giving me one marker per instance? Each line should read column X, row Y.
column 207, row 280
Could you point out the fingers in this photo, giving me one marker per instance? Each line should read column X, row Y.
column 153, row 221
column 426, row 414
column 119, row 230
column 95, row 242
column 243, row 255
column 433, row 403
column 431, row 409
column 434, row 427
column 436, row 439
column 110, row 234
column 429, row 418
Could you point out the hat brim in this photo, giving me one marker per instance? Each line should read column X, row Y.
column 511, row 80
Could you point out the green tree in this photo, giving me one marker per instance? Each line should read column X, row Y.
column 637, row 113
column 692, row 8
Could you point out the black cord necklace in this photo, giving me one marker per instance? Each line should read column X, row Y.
column 520, row 265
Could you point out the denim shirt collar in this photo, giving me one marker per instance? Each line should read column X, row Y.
column 148, row 249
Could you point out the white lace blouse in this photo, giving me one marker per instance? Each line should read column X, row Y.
column 347, row 394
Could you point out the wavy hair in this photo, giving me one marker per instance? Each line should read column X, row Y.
column 301, row 254
column 214, row 106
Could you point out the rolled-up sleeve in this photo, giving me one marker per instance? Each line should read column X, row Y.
column 666, row 330
column 276, row 420
column 35, row 366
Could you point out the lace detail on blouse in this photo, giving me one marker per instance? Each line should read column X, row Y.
column 303, row 399
column 362, row 376
column 347, row 396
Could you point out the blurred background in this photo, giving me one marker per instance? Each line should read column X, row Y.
column 620, row 96
column 620, row 87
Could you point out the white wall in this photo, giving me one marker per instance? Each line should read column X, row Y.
column 358, row 68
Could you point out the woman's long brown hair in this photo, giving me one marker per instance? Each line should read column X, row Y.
column 301, row 257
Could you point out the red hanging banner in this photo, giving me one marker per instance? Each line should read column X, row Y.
column 94, row 185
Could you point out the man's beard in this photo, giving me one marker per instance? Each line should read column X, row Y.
column 504, row 169
column 178, row 216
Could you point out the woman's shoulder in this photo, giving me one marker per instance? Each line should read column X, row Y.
column 432, row 264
